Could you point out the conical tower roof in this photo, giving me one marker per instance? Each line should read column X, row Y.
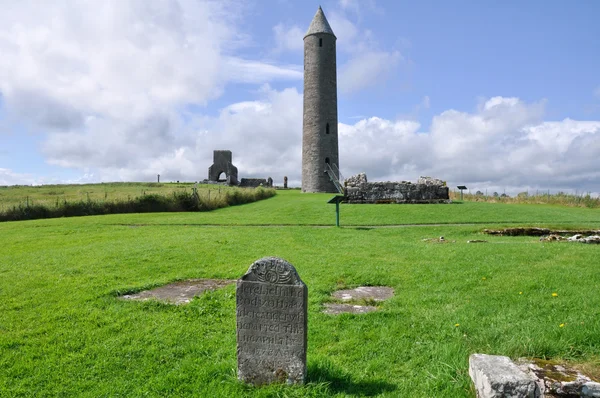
column 319, row 24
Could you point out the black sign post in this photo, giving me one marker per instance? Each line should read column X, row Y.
column 461, row 187
column 337, row 199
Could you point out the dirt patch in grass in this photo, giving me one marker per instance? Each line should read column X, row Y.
column 181, row 292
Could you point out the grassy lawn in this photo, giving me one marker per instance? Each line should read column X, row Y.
column 63, row 332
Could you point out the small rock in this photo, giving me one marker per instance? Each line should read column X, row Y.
column 497, row 376
column 591, row 389
column 551, row 238
column 575, row 238
column 592, row 239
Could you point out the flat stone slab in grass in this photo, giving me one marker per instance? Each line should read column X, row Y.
column 335, row 309
column 376, row 293
column 181, row 292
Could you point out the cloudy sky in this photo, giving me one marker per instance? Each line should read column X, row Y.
column 497, row 95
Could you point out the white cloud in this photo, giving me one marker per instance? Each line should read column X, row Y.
column 288, row 38
column 367, row 69
column 120, row 60
column 345, row 31
column 504, row 145
column 357, row 7
column 379, row 147
column 108, row 83
column 9, row 177
column 349, row 5
column 246, row 71
column 264, row 136
column 367, row 64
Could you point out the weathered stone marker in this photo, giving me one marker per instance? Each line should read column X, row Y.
column 271, row 323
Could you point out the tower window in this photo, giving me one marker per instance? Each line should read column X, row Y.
column 320, row 42
column 327, row 128
column 326, row 160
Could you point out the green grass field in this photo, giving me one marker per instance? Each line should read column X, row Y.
column 63, row 332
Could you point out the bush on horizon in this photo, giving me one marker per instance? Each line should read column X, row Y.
column 182, row 201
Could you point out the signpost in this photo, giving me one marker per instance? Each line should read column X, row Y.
column 337, row 199
column 461, row 187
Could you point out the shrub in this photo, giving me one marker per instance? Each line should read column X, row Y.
column 149, row 203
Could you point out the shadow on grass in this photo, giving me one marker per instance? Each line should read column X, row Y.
column 337, row 381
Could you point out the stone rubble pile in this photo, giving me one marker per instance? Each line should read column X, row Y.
column 431, row 181
column 356, row 180
column 497, row 376
column 584, row 239
column 575, row 238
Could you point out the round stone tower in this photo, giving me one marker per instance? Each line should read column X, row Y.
column 320, row 121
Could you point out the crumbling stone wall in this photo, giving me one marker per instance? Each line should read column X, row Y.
column 358, row 190
column 256, row 182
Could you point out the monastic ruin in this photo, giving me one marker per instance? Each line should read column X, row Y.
column 222, row 164
column 426, row 190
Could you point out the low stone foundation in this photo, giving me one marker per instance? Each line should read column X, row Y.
column 256, row 182
column 428, row 190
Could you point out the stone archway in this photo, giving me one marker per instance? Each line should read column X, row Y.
column 222, row 165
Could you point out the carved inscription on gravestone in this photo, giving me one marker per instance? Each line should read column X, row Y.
column 271, row 323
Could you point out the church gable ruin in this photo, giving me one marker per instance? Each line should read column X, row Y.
column 222, row 165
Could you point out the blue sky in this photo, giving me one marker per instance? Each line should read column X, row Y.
column 497, row 95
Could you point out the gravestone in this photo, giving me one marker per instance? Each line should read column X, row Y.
column 271, row 307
